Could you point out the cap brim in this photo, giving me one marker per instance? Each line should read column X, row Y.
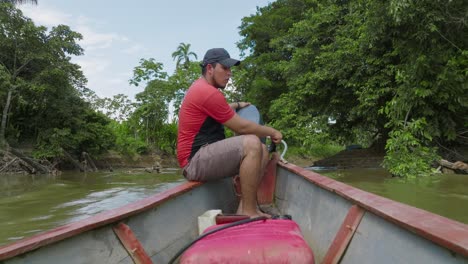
column 230, row 62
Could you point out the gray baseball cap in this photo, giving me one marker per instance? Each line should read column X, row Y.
column 219, row 55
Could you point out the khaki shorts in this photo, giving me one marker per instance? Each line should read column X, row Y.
column 215, row 161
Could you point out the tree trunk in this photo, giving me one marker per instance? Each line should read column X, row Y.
column 25, row 167
column 86, row 156
column 74, row 161
column 4, row 118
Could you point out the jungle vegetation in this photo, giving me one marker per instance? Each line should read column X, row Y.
column 392, row 74
column 388, row 75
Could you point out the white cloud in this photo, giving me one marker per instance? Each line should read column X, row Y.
column 134, row 49
column 100, row 47
column 93, row 40
column 103, row 80
column 121, row 78
column 46, row 16
column 116, row 81
column 92, row 66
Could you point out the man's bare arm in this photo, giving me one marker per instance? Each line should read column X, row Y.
column 238, row 105
column 243, row 126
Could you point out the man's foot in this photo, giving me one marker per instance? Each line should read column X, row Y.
column 260, row 213
column 257, row 213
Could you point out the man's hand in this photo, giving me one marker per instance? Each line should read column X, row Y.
column 276, row 137
column 243, row 104
column 238, row 105
column 243, row 126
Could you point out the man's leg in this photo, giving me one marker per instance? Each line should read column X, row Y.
column 243, row 155
column 251, row 172
column 217, row 160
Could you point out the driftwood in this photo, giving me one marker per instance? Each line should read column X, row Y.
column 87, row 159
column 155, row 168
column 36, row 167
column 87, row 163
column 458, row 165
column 75, row 162
column 8, row 164
column 109, row 167
column 25, row 167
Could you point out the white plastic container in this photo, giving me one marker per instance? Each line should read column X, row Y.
column 207, row 219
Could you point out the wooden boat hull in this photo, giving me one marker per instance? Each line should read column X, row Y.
column 163, row 224
column 373, row 229
column 340, row 223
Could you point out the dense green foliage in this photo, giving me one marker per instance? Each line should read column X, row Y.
column 161, row 97
column 390, row 75
column 394, row 71
column 40, row 93
column 47, row 108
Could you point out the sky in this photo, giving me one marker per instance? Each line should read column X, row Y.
column 117, row 34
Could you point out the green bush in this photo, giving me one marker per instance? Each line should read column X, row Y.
column 407, row 154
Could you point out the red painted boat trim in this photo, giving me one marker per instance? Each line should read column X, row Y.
column 226, row 219
column 344, row 235
column 93, row 222
column 266, row 190
column 131, row 244
column 445, row 232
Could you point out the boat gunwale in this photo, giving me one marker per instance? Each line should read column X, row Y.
column 105, row 218
column 445, row 232
column 448, row 233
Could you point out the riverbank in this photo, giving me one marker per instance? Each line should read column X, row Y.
column 348, row 158
column 20, row 161
column 115, row 160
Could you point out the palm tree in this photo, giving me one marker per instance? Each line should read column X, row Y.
column 182, row 55
column 18, row 2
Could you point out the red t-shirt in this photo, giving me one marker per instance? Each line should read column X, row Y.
column 203, row 111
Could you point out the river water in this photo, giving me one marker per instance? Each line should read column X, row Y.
column 443, row 194
column 32, row 204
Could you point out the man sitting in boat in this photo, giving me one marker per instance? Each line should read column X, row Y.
column 202, row 149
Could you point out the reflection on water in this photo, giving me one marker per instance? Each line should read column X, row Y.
column 32, row 204
column 443, row 194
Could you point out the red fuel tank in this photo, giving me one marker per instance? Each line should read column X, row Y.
column 266, row 241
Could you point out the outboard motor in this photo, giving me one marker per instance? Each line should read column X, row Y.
column 251, row 113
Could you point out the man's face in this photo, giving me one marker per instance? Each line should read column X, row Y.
column 219, row 75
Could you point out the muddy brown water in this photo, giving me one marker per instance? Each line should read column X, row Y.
column 443, row 194
column 33, row 204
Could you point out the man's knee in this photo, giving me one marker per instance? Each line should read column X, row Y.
column 252, row 143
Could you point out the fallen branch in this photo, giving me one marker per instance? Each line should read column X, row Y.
column 37, row 167
column 89, row 161
column 25, row 167
column 76, row 163
column 8, row 164
column 458, row 165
